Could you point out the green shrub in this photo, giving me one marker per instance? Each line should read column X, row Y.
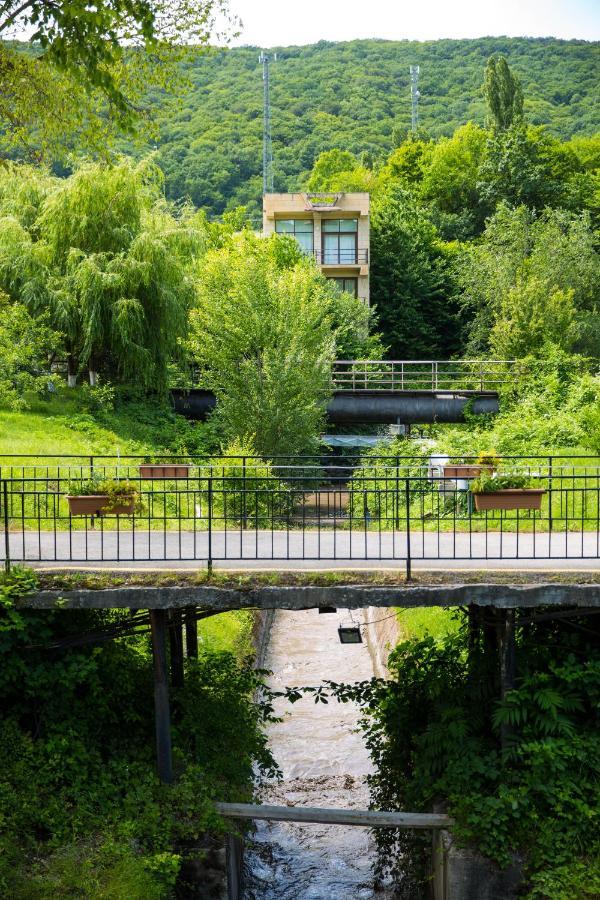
column 487, row 484
column 82, row 813
column 575, row 880
column 433, row 734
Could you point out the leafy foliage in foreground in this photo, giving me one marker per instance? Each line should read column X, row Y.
column 433, row 734
column 555, row 406
column 87, row 69
column 80, row 804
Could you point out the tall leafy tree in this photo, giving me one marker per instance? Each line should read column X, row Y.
column 264, row 331
column 450, row 182
column 410, row 284
column 26, row 348
column 503, row 93
column 339, row 170
column 526, row 269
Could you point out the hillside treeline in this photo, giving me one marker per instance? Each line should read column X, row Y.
column 355, row 96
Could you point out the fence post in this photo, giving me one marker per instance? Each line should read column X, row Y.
column 408, row 558
column 210, row 514
column 550, row 473
column 5, row 521
column 397, row 522
column 244, row 504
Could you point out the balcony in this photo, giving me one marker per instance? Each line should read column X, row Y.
column 340, row 257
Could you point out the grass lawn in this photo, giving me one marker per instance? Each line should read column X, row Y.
column 228, row 631
column 69, row 424
column 419, row 622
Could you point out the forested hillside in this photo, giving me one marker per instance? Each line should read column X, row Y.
column 353, row 96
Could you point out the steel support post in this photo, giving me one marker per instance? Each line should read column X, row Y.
column 158, row 625
column 191, row 633
column 176, row 647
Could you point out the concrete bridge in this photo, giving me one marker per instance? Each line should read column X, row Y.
column 395, row 391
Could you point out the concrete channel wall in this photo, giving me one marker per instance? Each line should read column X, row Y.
column 382, row 635
column 460, row 873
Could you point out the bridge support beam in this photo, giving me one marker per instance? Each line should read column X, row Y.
column 508, row 661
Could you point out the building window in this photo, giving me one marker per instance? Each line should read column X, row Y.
column 339, row 241
column 349, row 285
column 301, row 229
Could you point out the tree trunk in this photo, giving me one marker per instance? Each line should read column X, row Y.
column 71, row 371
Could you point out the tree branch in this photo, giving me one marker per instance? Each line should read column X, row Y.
column 15, row 15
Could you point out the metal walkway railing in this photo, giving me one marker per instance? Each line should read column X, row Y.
column 252, row 515
column 423, row 375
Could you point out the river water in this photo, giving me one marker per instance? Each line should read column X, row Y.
column 324, row 763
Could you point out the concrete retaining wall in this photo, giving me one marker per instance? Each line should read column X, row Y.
column 463, row 874
column 203, row 873
column 382, row 635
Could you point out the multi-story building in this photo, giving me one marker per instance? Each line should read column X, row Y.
column 333, row 228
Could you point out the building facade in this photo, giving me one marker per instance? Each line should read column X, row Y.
column 332, row 228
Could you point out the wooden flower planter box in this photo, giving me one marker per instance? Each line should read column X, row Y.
column 150, row 470
column 515, row 498
column 95, row 505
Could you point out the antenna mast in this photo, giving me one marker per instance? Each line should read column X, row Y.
column 265, row 59
column 414, row 97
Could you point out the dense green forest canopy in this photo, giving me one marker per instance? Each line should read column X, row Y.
column 353, row 96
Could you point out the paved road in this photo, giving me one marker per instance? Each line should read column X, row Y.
column 295, row 550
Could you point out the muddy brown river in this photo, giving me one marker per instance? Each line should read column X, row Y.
column 324, row 763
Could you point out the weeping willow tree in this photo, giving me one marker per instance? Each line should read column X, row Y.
column 105, row 260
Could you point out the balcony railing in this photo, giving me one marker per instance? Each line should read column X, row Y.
column 341, row 257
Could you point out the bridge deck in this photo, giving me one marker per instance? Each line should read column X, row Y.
column 307, row 549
